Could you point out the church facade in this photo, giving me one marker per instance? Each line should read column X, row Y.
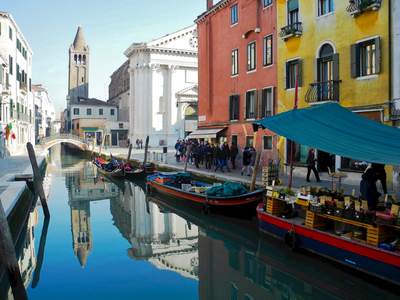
column 163, row 88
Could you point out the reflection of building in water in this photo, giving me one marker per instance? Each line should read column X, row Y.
column 162, row 238
column 27, row 256
column 83, row 187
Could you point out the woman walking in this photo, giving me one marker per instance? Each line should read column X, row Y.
column 246, row 161
column 208, row 156
column 311, row 165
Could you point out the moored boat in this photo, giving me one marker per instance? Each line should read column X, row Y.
column 108, row 169
column 131, row 172
column 180, row 186
column 309, row 234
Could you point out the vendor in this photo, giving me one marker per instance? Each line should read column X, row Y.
column 368, row 189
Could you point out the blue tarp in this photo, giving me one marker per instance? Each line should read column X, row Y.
column 334, row 129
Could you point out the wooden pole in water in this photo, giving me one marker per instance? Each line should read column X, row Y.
column 129, row 156
column 256, row 163
column 186, row 156
column 37, row 178
column 145, row 154
column 40, row 257
column 9, row 258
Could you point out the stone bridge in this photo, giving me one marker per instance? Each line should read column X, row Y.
column 50, row 141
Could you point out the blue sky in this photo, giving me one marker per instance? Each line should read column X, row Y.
column 109, row 27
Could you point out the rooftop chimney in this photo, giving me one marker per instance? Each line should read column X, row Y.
column 210, row 3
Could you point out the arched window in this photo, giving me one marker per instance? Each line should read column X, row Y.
column 75, row 58
column 84, row 59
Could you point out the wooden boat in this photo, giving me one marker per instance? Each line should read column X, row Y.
column 192, row 193
column 103, row 168
column 309, row 234
column 131, row 172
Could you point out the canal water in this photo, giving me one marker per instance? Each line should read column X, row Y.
column 109, row 239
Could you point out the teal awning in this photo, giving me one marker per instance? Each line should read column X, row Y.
column 90, row 128
column 334, row 129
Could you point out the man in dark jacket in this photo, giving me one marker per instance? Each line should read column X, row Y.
column 380, row 174
column 198, row 152
column 226, row 152
column 233, row 153
column 311, row 165
column 368, row 189
column 220, row 158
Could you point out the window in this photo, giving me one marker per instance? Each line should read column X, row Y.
column 267, row 2
column 267, row 142
column 293, row 11
column 249, row 141
column 76, row 111
column 112, row 111
column 250, row 108
column 235, row 62
column 325, row 6
column 10, row 33
column 100, row 111
column 268, row 51
column 365, row 58
column 10, row 62
column 266, row 102
column 292, row 69
column 300, row 151
column 234, row 292
column 234, row 107
column 73, row 125
column 89, row 111
column 77, row 125
column 234, row 14
column 251, row 56
column 121, row 125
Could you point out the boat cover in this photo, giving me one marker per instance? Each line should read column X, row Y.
column 334, row 129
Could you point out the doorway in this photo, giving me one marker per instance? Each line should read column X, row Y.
column 325, row 161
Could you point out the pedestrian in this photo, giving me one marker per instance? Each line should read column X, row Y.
column 212, row 155
column 220, row 158
column 246, row 161
column 208, row 156
column 232, row 154
column 198, row 151
column 226, row 152
column 202, row 157
column 368, row 189
column 311, row 165
column 129, row 142
column 380, row 174
column 178, row 153
column 177, row 144
column 141, row 144
column 183, row 150
column 253, row 154
column 215, row 154
column 137, row 143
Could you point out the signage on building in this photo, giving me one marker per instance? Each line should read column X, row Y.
column 202, row 118
column 190, row 125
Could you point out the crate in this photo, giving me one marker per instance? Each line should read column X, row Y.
column 348, row 213
column 385, row 221
column 369, row 218
column 290, row 215
column 186, row 186
column 338, row 212
column 359, row 216
column 319, row 209
column 162, row 180
column 302, row 202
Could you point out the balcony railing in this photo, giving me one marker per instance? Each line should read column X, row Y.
column 357, row 7
column 21, row 116
column 292, row 30
column 22, row 87
column 323, row 91
column 6, row 89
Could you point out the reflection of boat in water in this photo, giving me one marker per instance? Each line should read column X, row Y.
column 179, row 186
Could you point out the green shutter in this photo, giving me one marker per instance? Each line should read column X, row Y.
column 293, row 4
column 255, row 104
column 261, row 104
column 286, row 75
column 317, row 76
column 245, row 102
column 1, row 73
column 230, row 108
column 377, row 55
column 18, row 76
column 355, row 60
column 299, row 70
column 335, row 66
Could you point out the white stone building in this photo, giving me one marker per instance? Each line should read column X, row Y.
column 163, row 87
column 16, row 97
column 45, row 112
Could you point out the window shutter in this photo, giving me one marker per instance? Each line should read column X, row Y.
column 272, row 101
column 299, row 70
column 285, row 75
column 377, row 55
column 317, row 68
column 255, row 104
column 245, row 102
column 1, row 73
column 236, row 103
column 260, row 104
column 335, row 66
column 355, row 60
column 230, row 108
column 293, row 4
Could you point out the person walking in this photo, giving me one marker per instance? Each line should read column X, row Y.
column 220, row 158
column 311, row 165
column 253, row 154
column 137, row 143
column 226, row 152
column 380, row 174
column 232, row 154
column 215, row 148
column 368, row 189
column 246, row 161
column 178, row 153
column 198, row 151
column 141, row 144
column 129, row 142
column 208, row 157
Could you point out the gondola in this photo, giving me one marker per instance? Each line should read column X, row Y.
column 179, row 186
column 131, row 172
column 109, row 169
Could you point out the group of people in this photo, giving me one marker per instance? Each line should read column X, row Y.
column 217, row 156
column 368, row 188
column 139, row 143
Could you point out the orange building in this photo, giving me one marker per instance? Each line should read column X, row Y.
column 237, row 73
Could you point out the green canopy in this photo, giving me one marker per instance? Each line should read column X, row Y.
column 334, row 129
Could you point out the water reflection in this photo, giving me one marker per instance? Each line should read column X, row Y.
column 224, row 257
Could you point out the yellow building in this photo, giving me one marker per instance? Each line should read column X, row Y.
column 340, row 51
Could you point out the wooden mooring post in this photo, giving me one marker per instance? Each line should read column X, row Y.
column 40, row 257
column 187, row 154
column 145, row 154
column 9, row 258
column 38, row 181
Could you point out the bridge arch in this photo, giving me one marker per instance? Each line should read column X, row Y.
column 50, row 141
